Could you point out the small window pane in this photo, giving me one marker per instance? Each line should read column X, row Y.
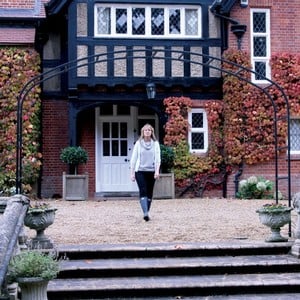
column 197, row 120
column 115, row 148
column 260, row 68
column 121, row 20
column 260, row 46
column 259, row 22
column 174, row 21
column 106, row 131
column 138, row 21
column 114, row 130
column 295, row 134
column 191, row 22
column 124, row 148
column 123, row 130
column 106, row 148
column 197, row 140
column 106, row 110
column 157, row 21
column 103, row 20
column 123, row 110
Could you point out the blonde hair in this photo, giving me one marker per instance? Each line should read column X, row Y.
column 153, row 137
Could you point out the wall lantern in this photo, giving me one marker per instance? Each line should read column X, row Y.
column 151, row 90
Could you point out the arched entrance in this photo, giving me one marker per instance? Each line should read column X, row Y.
column 212, row 62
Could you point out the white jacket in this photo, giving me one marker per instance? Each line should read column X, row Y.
column 136, row 154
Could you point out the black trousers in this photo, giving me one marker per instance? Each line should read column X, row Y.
column 145, row 182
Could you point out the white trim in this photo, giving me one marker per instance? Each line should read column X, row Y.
column 147, row 34
column 267, row 35
column 295, row 152
column 204, row 129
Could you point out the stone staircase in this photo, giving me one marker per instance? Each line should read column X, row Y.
column 236, row 270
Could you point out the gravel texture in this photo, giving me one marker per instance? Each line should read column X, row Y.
column 115, row 221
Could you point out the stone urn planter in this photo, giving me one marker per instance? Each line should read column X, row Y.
column 39, row 218
column 34, row 288
column 32, row 270
column 275, row 216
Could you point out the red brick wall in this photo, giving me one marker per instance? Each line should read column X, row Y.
column 55, row 138
column 285, row 32
column 284, row 20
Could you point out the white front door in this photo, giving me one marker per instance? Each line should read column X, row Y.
column 115, row 142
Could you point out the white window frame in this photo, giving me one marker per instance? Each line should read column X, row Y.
column 294, row 152
column 267, row 35
column 204, row 129
column 147, row 34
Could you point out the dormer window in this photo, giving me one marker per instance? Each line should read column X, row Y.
column 155, row 21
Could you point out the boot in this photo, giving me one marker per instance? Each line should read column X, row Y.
column 149, row 204
column 144, row 205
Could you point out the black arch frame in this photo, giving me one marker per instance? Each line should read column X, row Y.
column 241, row 73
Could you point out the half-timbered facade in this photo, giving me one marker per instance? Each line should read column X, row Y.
column 113, row 50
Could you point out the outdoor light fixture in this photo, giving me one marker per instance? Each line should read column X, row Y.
column 151, row 90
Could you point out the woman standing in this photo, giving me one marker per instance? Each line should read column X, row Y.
column 145, row 164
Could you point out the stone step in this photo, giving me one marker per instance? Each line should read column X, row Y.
column 115, row 267
column 181, row 271
column 142, row 250
column 175, row 286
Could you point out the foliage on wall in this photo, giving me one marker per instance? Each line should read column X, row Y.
column 17, row 66
column 191, row 171
column 249, row 116
column 241, row 127
column 286, row 72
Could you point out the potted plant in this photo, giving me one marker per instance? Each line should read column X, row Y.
column 164, row 186
column 32, row 270
column 275, row 215
column 74, row 156
column 39, row 217
column 75, row 186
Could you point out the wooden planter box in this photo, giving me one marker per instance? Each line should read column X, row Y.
column 75, row 187
column 164, row 187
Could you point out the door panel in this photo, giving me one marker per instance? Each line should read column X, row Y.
column 116, row 142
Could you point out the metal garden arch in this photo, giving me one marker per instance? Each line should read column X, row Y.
column 183, row 56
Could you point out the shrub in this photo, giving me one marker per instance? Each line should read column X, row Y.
column 167, row 158
column 255, row 188
column 73, row 156
column 32, row 263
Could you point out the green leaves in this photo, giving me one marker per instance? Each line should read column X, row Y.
column 32, row 263
column 74, row 155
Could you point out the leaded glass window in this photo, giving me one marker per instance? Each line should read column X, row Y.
column 174, row 21
column 191, row 22
column 121, row 20
column 260, row 49
column 198, row 134
column 295, row 135
column 259, row 22
column 158, row 21
column 138, row 21
column 103, row 20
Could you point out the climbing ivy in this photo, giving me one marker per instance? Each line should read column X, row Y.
column 17, row 66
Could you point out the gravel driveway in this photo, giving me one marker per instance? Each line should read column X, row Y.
column 176, row 220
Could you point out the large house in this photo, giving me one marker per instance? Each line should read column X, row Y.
column 113, row 51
